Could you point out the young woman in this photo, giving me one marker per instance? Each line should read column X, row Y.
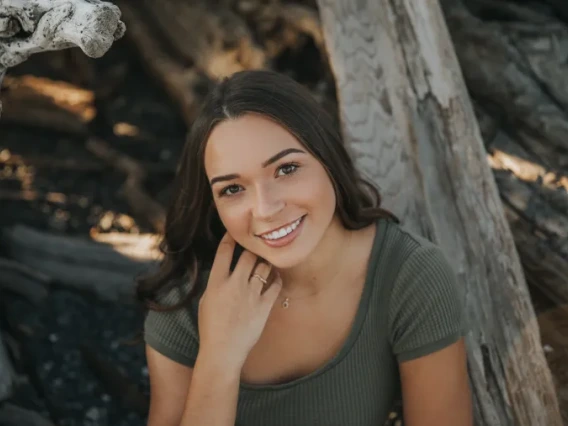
column 287, row 295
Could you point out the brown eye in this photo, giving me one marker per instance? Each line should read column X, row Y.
column 229, row 190
column 288, row 168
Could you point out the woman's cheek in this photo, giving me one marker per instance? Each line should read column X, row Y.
column 232, row 215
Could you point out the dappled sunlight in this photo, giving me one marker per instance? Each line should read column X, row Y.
column 526, row 170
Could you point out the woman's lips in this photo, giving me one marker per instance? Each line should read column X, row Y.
column 284, row 241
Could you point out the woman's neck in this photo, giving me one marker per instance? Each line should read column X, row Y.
column 329, row 260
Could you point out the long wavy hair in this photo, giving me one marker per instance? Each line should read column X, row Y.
column 193, row 228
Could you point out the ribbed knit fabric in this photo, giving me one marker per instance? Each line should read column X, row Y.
column 411, row 305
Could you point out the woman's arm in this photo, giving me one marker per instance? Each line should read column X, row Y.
column 180, row 395
column 169, row 385
column 435, row 389
column 213, row 392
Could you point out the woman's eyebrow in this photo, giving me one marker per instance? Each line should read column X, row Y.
column 281, row 154
column 266, row 163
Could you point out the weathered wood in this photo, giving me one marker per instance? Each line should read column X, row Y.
column 77, row 165
column 185, row 85
column 213, row 38
column 19, row 279
column 554, row 326
column 32, row 26
column 141, row 203
column 99, row 268
column 517, row 72
column 47, row 104
column 410, row 126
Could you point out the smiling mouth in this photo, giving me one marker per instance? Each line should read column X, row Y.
column 282, row 231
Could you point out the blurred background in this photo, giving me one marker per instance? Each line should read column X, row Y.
column 88, row 148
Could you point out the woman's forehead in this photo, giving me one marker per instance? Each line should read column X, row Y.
column 248, row 141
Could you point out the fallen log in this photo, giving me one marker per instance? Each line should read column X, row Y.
column 516, row 72
column 76, row 165
column 184, row 84
column 19, row 279
column 410, row 126
column 80, row 263
column 140, row 202
column 213, row 38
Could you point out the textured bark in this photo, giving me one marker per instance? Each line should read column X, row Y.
column 410, row 125
column 106, row 268
column 32, row 26
column 188, row 44
column 19, row 279
column 516, row 70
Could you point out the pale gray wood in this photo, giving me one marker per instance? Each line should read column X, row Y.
column 32, row 26
column 409, row 123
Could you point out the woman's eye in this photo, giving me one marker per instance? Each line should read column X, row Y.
column 229, row 190
column 288, row 169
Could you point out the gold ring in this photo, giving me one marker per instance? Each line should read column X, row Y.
column 260, row 278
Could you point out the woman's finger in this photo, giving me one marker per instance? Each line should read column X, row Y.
column 260, row 276
column 245, row 265
column 223, row 257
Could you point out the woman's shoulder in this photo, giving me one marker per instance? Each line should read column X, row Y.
column 407, row 260
column 174, row 333
column 426, row 303
column 400, row 244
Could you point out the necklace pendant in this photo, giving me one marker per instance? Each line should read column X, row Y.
column 286, row 303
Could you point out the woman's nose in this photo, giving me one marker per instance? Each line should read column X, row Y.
column 268, row 203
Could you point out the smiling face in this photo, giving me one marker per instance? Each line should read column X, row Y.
column 272, row 195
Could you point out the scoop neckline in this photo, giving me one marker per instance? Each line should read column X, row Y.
column 360, row 317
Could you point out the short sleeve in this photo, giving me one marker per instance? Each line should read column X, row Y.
column 174, row 333
column 427, row 305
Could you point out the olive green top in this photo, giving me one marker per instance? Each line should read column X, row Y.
column 411, row 305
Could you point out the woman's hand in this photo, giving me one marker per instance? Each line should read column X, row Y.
column 234, row 308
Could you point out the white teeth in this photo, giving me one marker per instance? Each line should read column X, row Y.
column 282, row 232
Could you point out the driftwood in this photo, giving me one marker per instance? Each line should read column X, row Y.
column 213, row 38
column 554, row 323
column 410, row 125
column 47, row 104
column 73, row 164
column 12, row 415
column 19, row 279
column 96, row 267
column 516, row 72
column 185, row 85
column 187, row 44
column 141, row 203
column 32, row 26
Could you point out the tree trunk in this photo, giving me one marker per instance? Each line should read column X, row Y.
column 409, row 123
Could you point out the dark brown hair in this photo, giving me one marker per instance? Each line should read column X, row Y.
column 193, row 228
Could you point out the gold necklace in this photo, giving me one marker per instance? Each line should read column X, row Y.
column 286, row 302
